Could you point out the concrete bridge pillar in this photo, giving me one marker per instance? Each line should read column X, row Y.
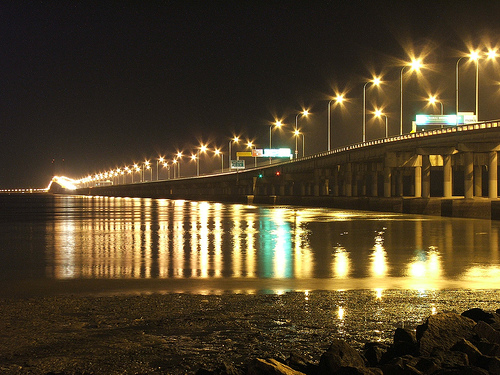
column 447, row 176
column 302, row 189
column 426, row 176
column 387, row 182
column 417, row 184
column 374, row 186
column 468, row 175
column 348, row 180
column 478, row 181
column 355, row 180
column 400, row 182
column 281, row 189
column 493, row 175
column 335, row 183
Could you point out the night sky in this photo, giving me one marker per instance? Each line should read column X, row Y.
column 87, row 86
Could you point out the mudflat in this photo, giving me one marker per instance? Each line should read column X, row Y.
column 180, row 333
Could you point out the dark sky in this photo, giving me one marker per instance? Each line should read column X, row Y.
column 95, row 85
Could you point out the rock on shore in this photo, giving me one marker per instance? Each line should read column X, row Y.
column 446, row 343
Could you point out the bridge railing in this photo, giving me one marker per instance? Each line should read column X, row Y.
column 422, row 134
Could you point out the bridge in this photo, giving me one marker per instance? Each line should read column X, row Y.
column 450, row 171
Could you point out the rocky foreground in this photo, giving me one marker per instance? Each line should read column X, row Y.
column 447, row 343
column 354, row 331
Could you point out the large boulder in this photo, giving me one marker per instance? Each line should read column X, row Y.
column 442, row 331
column 339, row 354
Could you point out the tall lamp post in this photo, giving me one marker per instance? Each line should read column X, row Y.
column 179, row 158
column 303, row 113
column 339, row 99
column 161, row 159
column 378, row 113
column 174, row 162
column 456, row 85
column 375, row 82
column 432, row 100
column 203, row 149
column 230, row 156
column 415, row 65
column 297, row 133
column 218, row 152
column 277, row 124
column 251, row 146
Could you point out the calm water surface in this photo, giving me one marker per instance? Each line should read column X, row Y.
column 120, row 244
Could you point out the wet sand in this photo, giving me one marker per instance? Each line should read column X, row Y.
column 179, row 333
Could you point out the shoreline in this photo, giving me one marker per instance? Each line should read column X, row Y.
column 178, row 333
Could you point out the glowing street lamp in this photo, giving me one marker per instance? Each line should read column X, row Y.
column 174, row 162
column 375, row 82
column 339, row 99
column 161, row 159
column 203, row 149
column 251, row 146
column 303, row 113
column 414, row 65
column 432, row 100
column 146, row 165
column 218, row 152
column 178, row 162
column 378, row 113
column 230, row 156
column 277, row 124
column 297, row 133
column 167, row 167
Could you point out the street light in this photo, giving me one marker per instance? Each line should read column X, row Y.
column 146, row 165
column 303, row 113
column 178, row 162
column 375, row 82
column 161, row 159
column 218, row 152
column 174, row 162
column 339, row 99
column 277, row 124
column 297, row 133
column 475, row 56
column 432, row 100
column 414, row 65
column 230, row 156
column 251, row 146
column 378, row 113
column 203, row 149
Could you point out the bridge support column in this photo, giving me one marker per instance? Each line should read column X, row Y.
column 348, row 180
column 335, row 183
column 478, row 181
column 468, row 175
column 493, row 175
column 387, row 182
column 355, row 180
column 447, row 176
column 326, row 187
column 426, row 176
column 417, row 184
column 400, row 182
column 374, row 192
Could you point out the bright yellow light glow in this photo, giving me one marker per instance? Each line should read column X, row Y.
column 217, row 151
column 236, row 139
column 474, row 55
column 179, row 155
column 193, row 157
column 296, row 132
column 376, row 81
column 305, row 112
column 378, row 113
column 174, row 161
column 341, row 313
column 492, row 54
column 339, row 99
column 416, row 64
column 278, row 123
column 146, row 163
column 161, row 159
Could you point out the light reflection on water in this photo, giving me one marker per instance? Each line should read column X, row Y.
column 125, row 238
